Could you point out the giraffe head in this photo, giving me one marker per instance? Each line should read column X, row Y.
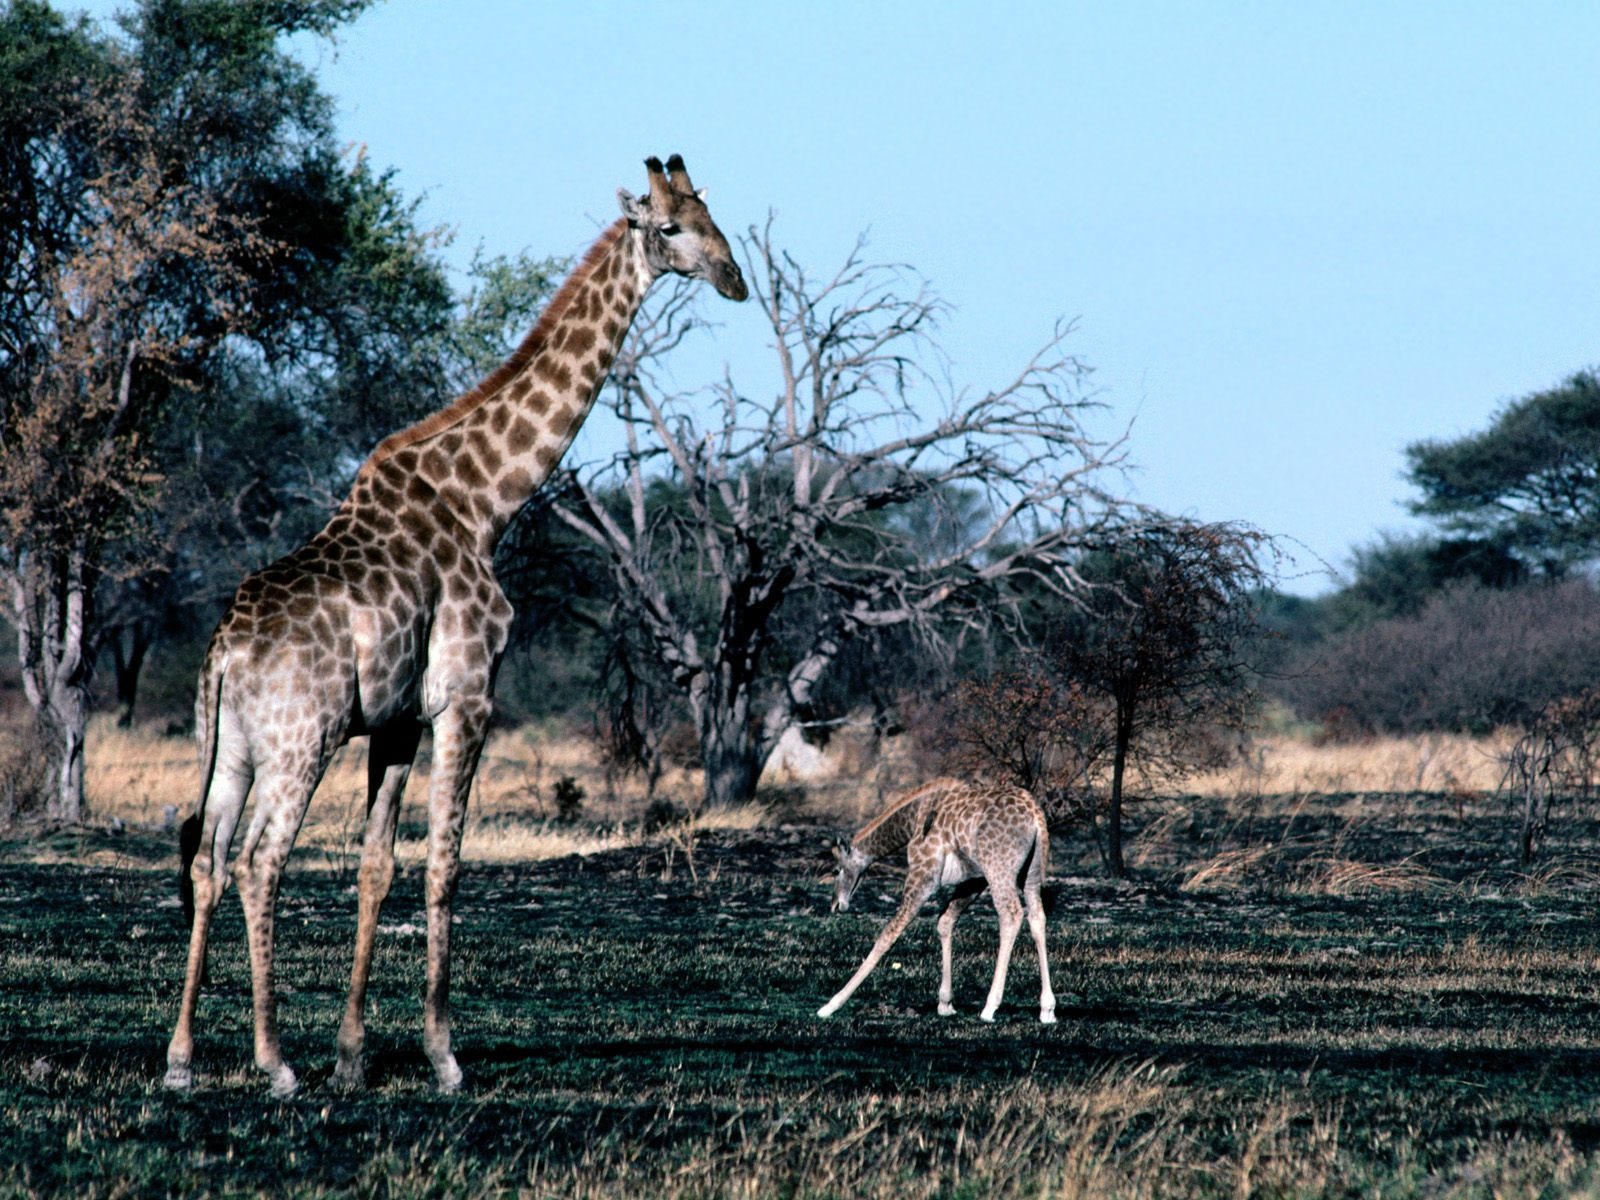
column 853, row 863
column 679, row 234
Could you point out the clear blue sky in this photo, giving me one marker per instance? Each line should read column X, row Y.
column 1295, row 236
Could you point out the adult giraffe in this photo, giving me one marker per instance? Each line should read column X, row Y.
column 391, row 617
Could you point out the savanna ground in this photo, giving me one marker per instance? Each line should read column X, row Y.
column 1329, row 979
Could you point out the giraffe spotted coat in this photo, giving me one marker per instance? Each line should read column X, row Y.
column 390, row 618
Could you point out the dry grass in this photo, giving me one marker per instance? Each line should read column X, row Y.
column 135, row 774
column 1128, row 1131
column 143, row 778
column 1282, row 764
column 1317, row 873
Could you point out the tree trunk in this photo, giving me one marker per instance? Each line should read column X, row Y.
column 50, row 600
column 65, row 729
column 728, row 751
column 1119, row 763
column 730, row 777
column 129, row 662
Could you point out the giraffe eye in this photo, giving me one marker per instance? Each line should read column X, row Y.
column 671, row 229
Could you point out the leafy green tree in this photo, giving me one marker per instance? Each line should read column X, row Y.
column 1471, row 659
column 193, row 271
column 1529, row 483
column 1396, row 576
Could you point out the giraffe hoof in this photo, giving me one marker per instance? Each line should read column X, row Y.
column 284, row 1084
column 179, row 1079
column 348, row 1076
column 987, row 1015
column 946, row 1009
column 826, row 1011
column 449, row 1078
column 1047, row 1018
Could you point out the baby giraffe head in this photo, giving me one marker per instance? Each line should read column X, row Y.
column 678, row 232
column 853, row 863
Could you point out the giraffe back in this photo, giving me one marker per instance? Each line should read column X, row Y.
column 996, row 826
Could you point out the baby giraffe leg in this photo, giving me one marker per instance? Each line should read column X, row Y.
column 1036, row 926
column 964, row 894
column 918, row 888
column 1009, row 908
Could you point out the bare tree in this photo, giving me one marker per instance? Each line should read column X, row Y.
column 1555, row 757
column 753, row 536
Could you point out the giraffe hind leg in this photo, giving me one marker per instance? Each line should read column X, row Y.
column 281, row 803
column 1034, row 904
column 1009, row 909
column 207, row 875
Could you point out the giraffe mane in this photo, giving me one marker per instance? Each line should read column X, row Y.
column 513, row 366
column 895, row 809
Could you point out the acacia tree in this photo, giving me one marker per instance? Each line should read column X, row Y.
column 1529, row 483
column 1163, row 634
column 180, row 212
column 751, row 543
column 108, row 318
column 1026, row 725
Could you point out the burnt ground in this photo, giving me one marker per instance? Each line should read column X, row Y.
column 647, row 1015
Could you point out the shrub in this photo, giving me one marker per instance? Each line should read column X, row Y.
column 1471, row 660
column 569, row 799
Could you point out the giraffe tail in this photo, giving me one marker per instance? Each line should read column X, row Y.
column 1041, row 857
column 205, row 720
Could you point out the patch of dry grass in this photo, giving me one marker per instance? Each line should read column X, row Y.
column 1305, row 869
column 1283, row 764
column 142, row 778
column 1262, row 835
column 1127, row 1131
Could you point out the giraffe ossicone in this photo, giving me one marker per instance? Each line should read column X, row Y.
column 969, row 836
column 391, row 617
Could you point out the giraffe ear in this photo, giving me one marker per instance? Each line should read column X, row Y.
column 838, row 851
column 635, row 209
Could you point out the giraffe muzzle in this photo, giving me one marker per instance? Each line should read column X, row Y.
column 729, row 280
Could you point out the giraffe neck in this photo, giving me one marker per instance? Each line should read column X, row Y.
column 487, row 453
column 894, row 829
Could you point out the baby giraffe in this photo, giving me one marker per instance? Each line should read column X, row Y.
column 971, row 836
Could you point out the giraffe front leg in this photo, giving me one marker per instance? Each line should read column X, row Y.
column 388, row 766
column 458, row 735
column 963, row 895
column 918, row 888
